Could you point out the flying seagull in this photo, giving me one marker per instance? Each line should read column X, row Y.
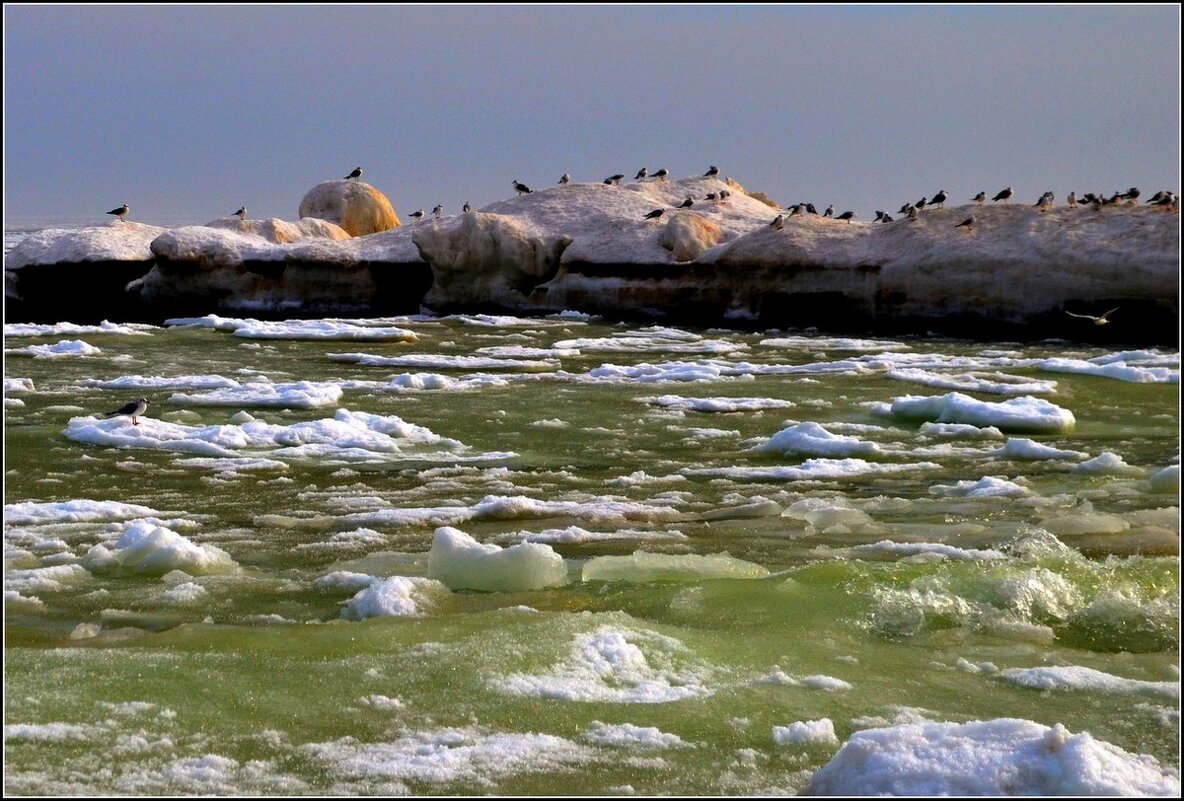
column 564, row 179
column 137, row 407
column 642, row 173
column 661, row 174
column 418, row 215
column 979, row 198
column 521, row 189
column 968, row 223
column 1003, row 195
column 1101, row 320
column 241, row 213
column 711, row 171
column 655, row 214
column 121, row 212
column 357, row 173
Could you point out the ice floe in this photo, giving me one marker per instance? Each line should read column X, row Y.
column 460, row 562
column 812, row 470
column 1001, row 757
column 642, row 566
column 628, row 735
column 993, row 383
column 806, row 732
column 64, row 349
column 76, row 511
column 296, row 395
column 1026, row 449
column 722, row 405
column 1025, row 414
column 985, row 487
column 74, row 329
column 1108, row 464
column 397, row 596
column 813, row 439
column 1077, row 677
column 162, row 382
column 153, row 550
column 445, row 362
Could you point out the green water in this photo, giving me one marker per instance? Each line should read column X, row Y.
column 258, row 686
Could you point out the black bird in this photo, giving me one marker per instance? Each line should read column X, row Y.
column 1117, row 196
column 778, row 222
column 615, row 179
column 121, row 212
column 1132, row 194
column 940, row 198
column 794, row 210
column 1003, row 195
column 711, row 171
column 968, row 223
column 711, row 196
column 905, row 208
column 887, row 218
column 418, row 215
column 655, row 214
column 879, row 216
column 436, row 212
column 564, row 179
column 686, row 204
column 979, row 198
column 642, row 173
column 661, row 174
column 608, row 181
column 467, row 208
column 137, row 407
column 830, row 211
column 920, row 204
column 521, row 189
column 357, row 173
column 1158, row 196
column 847, row 215
column 810, row 209
column 241, row 213
column 724, row 194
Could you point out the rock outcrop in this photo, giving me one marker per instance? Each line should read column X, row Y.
column 356, row 206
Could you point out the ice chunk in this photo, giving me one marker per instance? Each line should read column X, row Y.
column 642, row 566
column 460, row 562
column 397, row 596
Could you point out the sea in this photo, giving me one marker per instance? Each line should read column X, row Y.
column 476, row 554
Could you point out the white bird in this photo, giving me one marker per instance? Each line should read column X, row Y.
column 436, row 212
column 1099, row 320
column 979, row 198
column 1045, row 202
column 121, row 212
column 1072, row 199
column 133, row 410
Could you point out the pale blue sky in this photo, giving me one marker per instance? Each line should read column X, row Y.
column 187, row 112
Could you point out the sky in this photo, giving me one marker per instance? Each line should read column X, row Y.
column 188, row 112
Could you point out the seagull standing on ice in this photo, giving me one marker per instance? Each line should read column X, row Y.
column 686, row 204
column 641, row 174
column 564, row 179
column 661, row 174
column 241, row 213
column 436, row 212
column 1045, row 202
column 357, row 173
column 467, row 208
column 1100, row 320
column 712, row 171
column 418, row 215
column 846, row 215
column 655, row 214
column 940, row 198
column 137, row 407
column 1003, row 195
column 830, row 211
column 979, row 198
column 1072, row 199
column 778, row 222
column 521, row 189
column 968, row 223
column 121, row 212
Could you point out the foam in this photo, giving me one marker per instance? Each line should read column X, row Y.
column 642, row 566
column 1001, row 757
column 460, row 562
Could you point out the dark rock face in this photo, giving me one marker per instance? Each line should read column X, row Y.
column 81, row 292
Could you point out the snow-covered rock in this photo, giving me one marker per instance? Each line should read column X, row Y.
column 356, row 206
column 116, row 241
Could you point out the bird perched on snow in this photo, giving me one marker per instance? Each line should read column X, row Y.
column 714, row 198
column 920, row 204
column 655, row 214
column 940, row 198
column 614, row 179
column 712, row 171
column 436, row 212
column 121, row 212
column 979, row 198
column 1045, row 202
column 1072, row 200
column 1132, row 194
column 661, row 174
column 913, row 214
column 886, row 218
column 132, row 410
column 879, row 216
column 846, row 215
column 521, row 189
column 778, row 222
column 724, row 194
column 1158, row 196
column 357, row 173
column 830, row 211
column 968, row 223
column 417, row 214
column 241, row 213
column 642, row 173
column 1003, row 195
column 564, row 179
column 1100, row 320
column 686, row 204
column 467, row 208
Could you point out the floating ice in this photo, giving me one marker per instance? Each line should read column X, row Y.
column 1076, row 677
column 321, row 330
column 985, row 487
column 460, row 562
column 344, row 580
column 1108, row 464
column 17, row 385
column 1001, row 757
column 627, row 735
column 642, row 566
column 154, row 550
column 441, row 361
column 1166, row 480
column 814, row 440
column 886, row 549
column 575, row 534
column 1020, row 448
column 437, row 381
column 613, row 666
column 833, row 343
column 513, row 507
column 724, row 405
column 397, row 596
column 638, row 342
column 992, row 383
column 806, row 732
column 76, row 511
column 73, row 329
column 59, row 350
column 1026, row 414
column 959, row 430
column 297, row 395
column 1116, row 366
column 160, row 382
column 811, row 470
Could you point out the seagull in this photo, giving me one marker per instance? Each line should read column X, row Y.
column 1132, row 194
column 121, row 212
column 879, row 216
column 655, row 214
column 686, row 204
column 902, row 210
column 711, row 171
column 241, row 213
column 418, row 215
column 1003, row 195
column 1158, row 196
column 712, row 197
column 642, row 173
column 940, row 198
column 467, row 208
column 979, row 198
column 778, row 222
column 1101, row 320
column 887, row 218
column 661, row 174
column 436, row 212
column 724, row 194
column 920, row 204
column 614, row 179
column 794, row 209
column 137, row 407
column 521, row 189
column 847, row 215
column 564, row 179
column 968, row 223
column 1045, row 202
column 830, row 211
column 810, row 209
column 357, row 173
column 913, row 215
column 1072, row 199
